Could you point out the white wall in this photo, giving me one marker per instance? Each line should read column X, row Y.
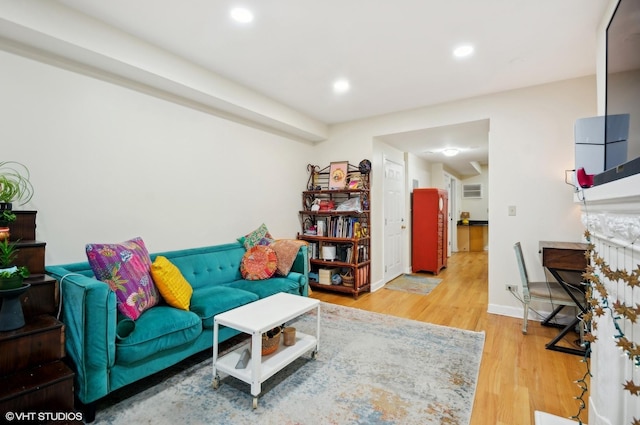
column 624, row 88
column 477, row 208
column 530, row 145
column 417, row 169
column 109, row 163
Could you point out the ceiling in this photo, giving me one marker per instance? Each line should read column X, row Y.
column 397, row 54
column 469, row 138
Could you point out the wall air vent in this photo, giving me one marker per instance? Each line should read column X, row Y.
column 472, row 191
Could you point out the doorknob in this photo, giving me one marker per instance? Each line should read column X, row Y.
column 403, row 227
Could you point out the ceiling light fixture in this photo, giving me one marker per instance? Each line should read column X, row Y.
column 450, row 152
column 242, row 15
column 341, row 86
column 463, row 51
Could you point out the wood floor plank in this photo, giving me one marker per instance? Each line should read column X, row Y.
column 517, row 374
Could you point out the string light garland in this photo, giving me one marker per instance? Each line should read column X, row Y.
column 584, row 387
column 598, row 298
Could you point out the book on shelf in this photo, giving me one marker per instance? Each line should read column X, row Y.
column 321, row 226
column 363, row 253
column 345, row 252
column 348, row 254
column 313, row 250
column 337, row 227
column 362, row 276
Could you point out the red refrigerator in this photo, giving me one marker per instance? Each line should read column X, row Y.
column 429, row 230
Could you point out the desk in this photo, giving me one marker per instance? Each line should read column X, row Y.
column 566, row 261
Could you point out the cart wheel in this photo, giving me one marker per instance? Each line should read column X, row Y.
column 314, row 353
column 216, row 382
column 255, row 402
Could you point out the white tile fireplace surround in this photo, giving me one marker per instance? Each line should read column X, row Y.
column 611, row 212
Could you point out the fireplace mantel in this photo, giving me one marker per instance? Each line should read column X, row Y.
column 611, row 213
column 619, row 195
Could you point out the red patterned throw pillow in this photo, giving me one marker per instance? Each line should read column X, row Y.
column 258, row 263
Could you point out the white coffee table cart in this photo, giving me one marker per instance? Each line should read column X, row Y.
column 255, row 319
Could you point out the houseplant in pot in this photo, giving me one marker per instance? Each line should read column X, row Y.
column 11, row 276
column 15, row 187
column 11, row 287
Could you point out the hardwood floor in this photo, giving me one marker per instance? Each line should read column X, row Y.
column 517, row 374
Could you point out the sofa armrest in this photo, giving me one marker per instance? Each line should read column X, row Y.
column 300, row 270
column 89, row 315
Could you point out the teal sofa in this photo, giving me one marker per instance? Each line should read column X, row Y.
column 109, row 351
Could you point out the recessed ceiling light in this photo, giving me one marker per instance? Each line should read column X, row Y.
column 463, row 51
column 341, row 86
column 242, row 15
column 450, row 152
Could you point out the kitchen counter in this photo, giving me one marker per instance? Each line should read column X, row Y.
column 474, row 236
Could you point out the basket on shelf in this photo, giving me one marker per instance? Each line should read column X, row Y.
column 271, row 341
column 347, row 278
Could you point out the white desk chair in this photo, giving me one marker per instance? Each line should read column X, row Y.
column 550, row 292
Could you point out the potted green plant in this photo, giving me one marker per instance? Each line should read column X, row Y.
column 15, row 187
column 11, row 276
column 7, row 216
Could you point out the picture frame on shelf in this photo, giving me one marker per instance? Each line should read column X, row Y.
column 353, row 181
column 338, row 175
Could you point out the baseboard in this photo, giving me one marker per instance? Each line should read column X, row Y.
column 503, row 310
column 518, row 312
column 377, row 285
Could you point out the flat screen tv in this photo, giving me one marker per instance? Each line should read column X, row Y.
column 623, row 84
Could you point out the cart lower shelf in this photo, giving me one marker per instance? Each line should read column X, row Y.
column 269, row 365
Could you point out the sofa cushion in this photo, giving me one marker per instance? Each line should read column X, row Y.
column 157, row 329
column 173, row 287
column 208, row 265
column 286, row 251
column 259, row 263
column 269, row 287
column 125, row 267
column 208, row 301
column 260, row 236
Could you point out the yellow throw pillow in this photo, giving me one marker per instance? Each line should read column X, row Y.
column 173, row 287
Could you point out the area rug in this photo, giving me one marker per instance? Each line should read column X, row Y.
column 371, row 369
column 413, row 283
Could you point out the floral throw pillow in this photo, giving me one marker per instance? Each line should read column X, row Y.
column 125, row 267
column 260, row 236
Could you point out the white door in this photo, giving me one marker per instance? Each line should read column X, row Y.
column 394, row 220
column 452, row 228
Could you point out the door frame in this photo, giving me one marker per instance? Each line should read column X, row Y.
column 451, row 184
column 403, row 258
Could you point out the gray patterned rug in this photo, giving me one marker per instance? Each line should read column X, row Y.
column 371, row 369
